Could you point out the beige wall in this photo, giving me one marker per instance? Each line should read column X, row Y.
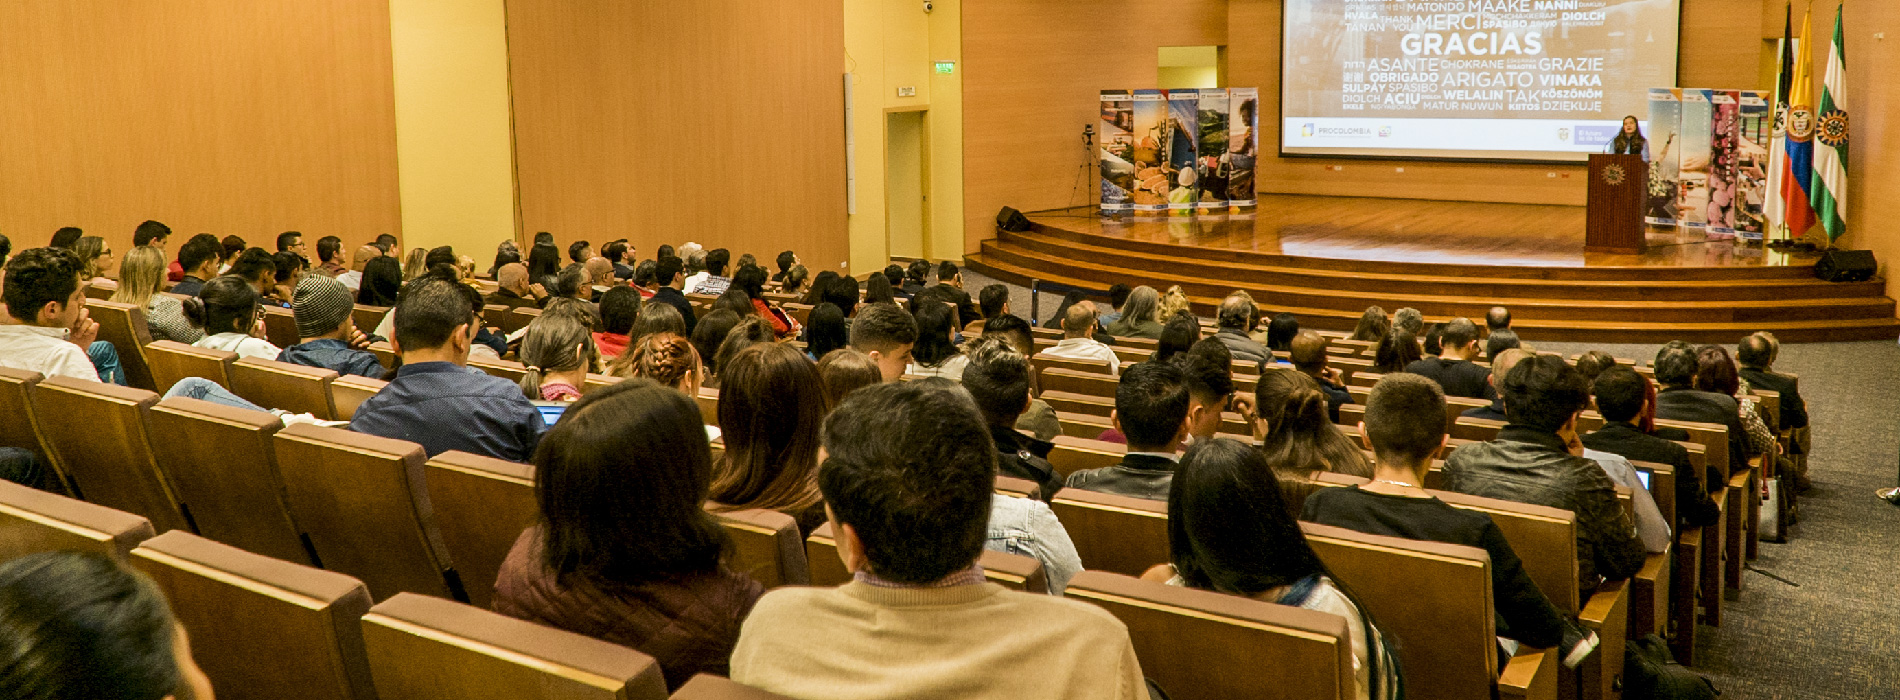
column 229, row 118
column 1873, row 106
column 718, row 121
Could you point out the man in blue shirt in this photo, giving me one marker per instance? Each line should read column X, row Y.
column 436, row 400
column 322, row 306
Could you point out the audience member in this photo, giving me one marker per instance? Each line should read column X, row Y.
column 66, row 238
column 435, row 399
column 845, row 370
column 1069, row 301
column 141, row 278
column 795, row 279
column 887, row 334
column 750, row 279
column 710, row 334
column 415, row 264
column 1281, row 331
column 505, row 252
column 1040, row 420
column 1078, row 324
column 1501, row 340
column 908, row 481
column 998, row 379
column 1229, row 531
column 1536, row 459
column 1396, row 351
column 599, row 273
column 1757, row 353
column 230, row 313
column 618, row 252
column 1373, row 326
column 1590, row 364
column 876, row 290
column 358, row 261
column 786, row 260
column 578, row 253
column 1182, row 331
column 772, row 405
column 1174, row 301
column 666, row 278
column 1297, row 438
column 1151, row 410
column 1716, row 373
column 750, row 331
column 1679, row 400
column 198, row 258
column 1409, row 320
column 622, row 550
column 715, row 282
column 1307, row 352
column 1433, row 343
column 842, row 291
column 827, row 331
column 558, row 352
column 655, row 318
column 950, row 285
column 151, row 233
column 327, row 335
column 1453, row 368
column 95, row 258
column 935, row 353
column 1497, row 319
column 619, row 310
column 1621, row 396
column 1405, row 429
column 1234, row 317
column 544, row 261
column 232, row 246
column 1117, row 296
column 1136, row 315
column 48, row 329
column 286, row 271
column 916, row 277
column 386, row 242
column 512, row 288
column 80, row 625
column 330, row 257
column 1500, row 368
column 382, row 282
column 664, row 357
column 993, row 301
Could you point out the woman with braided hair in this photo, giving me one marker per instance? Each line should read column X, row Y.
column 667, row 358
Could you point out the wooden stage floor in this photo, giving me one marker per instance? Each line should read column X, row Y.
column 1417, row 231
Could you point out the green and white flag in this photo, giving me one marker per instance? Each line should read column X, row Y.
column 1828, row 189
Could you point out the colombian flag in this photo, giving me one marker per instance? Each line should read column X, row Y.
column 1788, row 210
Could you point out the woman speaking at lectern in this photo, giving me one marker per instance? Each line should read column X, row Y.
column 1630, row 140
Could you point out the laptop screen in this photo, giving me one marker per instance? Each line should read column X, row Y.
column 551, row 413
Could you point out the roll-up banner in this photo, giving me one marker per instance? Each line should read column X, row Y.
column 1117, row 151
column 1665, row 120
column 1183, row 149
column 1725, row 118
column 1151, row 142
column 1692, row 202
column 1213, row 145
column 1757, row 125
column 1243, row 146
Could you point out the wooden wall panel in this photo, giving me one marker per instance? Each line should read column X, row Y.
column 1033, row 75
column 245, row 118
column 717, row 121
column 1720, row 48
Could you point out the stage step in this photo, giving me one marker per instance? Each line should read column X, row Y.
column 1451, row 300
column 1004, row 261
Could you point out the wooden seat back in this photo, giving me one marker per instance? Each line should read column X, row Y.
column 384, row 352
column 1114, row 533
column 423, row 648
column 506, row 369
column 222, row 463
column 482, row 505
column 123, row 325
column 1043, row 363
column 172, row 361
column 260, row 627
column 32, row 521
column 1202, row 645
column 767, row 547
column 349, row 391
column 362, row 502
column 107, row 455
column 1012, row 571
column 281, row 385
column 1435, row 596
column 1074, row 454
column 280, row 326
column 496, row 316
column 1075, row 381
column 519, row 318
column 1020, row 488
column 18, row 421
column 710, row 687
column 367, row 318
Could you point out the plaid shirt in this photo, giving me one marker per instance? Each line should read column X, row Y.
column 967, row 577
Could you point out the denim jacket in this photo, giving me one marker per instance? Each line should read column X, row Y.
column 1027, row 527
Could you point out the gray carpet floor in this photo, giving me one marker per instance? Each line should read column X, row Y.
column 1835, row 633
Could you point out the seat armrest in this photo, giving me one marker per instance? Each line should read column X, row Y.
column 1607, row 612
column 1531, row 675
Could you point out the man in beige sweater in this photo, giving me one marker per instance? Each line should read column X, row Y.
column 907, row 485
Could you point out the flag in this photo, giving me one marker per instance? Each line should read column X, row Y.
column 1828, row 188
column 1797, row 214
column 1774, row 206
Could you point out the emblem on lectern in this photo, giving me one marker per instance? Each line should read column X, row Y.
column 1614, row 175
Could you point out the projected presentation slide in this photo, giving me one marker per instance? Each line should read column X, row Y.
column 1469, row 79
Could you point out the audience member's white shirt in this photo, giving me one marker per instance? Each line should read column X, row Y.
column 693, row 280
column 242, row 344
column 1086, row 349
column 951, row 369
column 352, row 279
column 1650, row 525
column 44, row 350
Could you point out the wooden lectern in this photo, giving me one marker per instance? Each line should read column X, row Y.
column 1619, row 188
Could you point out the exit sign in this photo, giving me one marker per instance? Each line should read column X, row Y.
column 946, row 67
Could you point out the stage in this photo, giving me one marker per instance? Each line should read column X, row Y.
column 1326, row 259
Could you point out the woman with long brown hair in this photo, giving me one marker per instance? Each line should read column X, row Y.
column 772, row 405
column 1300, row 440
column 667, row 358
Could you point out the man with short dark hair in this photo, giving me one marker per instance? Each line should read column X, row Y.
column 291, row 242
column 578, row 252
column 1538, row 459
column 385, row 242
column 435, row 399
column 1405, row 428
column 1281, row 331
column 151, row 233
column 786, row 260
column 47, row 328
column 1210, row 390
column 66, row 237
column 1117, row 296
column 1678, row 399
column 1501, row 340
column 1621, row 395
column 1151, row 410
column 1307, row 352
column 894, row 274
column 616, row 252
column 907, row 484
column 668, row 281
column 1233, row 320
column 916, row 277
column 950, row 289
column 993, row 301
column 997, row 378
column 198, row 258
column 330, row 257
column 256, row 267
column 1757, row 354
column 717, row 279
column 1078, row 341
column 329, row 337
column 886, row 333
column 1040, row 420
column 1497, row 319
column 1453, row 368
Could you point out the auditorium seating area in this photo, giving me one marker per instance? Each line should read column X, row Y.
column 315, row 561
